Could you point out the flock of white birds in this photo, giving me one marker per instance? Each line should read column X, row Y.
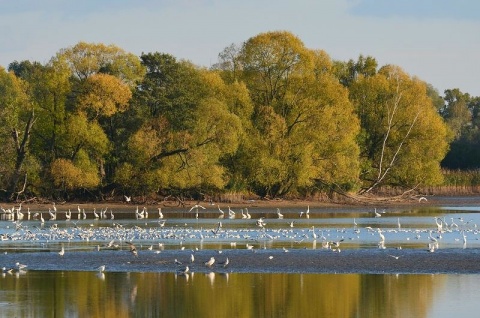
column 213, row 227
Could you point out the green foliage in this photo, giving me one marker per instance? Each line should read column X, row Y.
column 403, row 138
column 272, row 117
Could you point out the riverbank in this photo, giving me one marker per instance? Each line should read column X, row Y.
column 377, row 202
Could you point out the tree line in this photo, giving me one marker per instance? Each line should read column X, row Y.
column 271, row 118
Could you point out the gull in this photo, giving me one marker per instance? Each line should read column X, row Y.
column 112, row 244
column 224, row 263
column 196, row 206
column 260, row 222
column 20, row 266
column 133, row 249
column 210, row 262
column 183, row 271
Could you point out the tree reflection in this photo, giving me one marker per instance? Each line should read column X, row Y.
column 92, row 294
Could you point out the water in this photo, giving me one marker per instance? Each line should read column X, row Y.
column 89, row 294
column 76, row 290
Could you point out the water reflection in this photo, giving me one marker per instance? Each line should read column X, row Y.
column 90, row 294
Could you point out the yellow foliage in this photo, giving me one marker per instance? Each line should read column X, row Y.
column 104, row 95
column 69, row 176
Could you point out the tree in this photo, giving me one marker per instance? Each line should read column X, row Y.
column 86, row 59
column 17, row 119
column 302, row 127
column 456, row 111
column 348, row 72
column 185, row 126
column 403, row 138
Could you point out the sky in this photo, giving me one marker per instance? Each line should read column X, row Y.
column 437, row 41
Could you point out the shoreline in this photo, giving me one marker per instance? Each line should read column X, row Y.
column 378, row 202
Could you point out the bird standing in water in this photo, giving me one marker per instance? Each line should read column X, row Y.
column 210, row 262
column 133, row 249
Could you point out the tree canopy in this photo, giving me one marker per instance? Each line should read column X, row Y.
column 272, row 117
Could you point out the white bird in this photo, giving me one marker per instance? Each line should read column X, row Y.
column 95, row 214
column 260, row 222
column 62, row 251
column 224, row 263
column 53, row 215
column 377, row 215
column 279, row 215
column 382, row 237
column 20, row 266
column 183, row 271
column 127, row 199
column 196, row 206
column 192, row 258
column 210, row 262
column 248, row 214
column 160, row 214
column 101, row 269
column 244, row 216
column 231, row 213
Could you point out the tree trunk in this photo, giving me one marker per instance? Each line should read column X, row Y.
column 21, row 147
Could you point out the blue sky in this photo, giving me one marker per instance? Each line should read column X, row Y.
column 436, row 40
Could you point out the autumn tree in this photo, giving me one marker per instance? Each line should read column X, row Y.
column 184, row 127
column 302, row 126
column 403, row 139
column 101, row 79
column 17, row 118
